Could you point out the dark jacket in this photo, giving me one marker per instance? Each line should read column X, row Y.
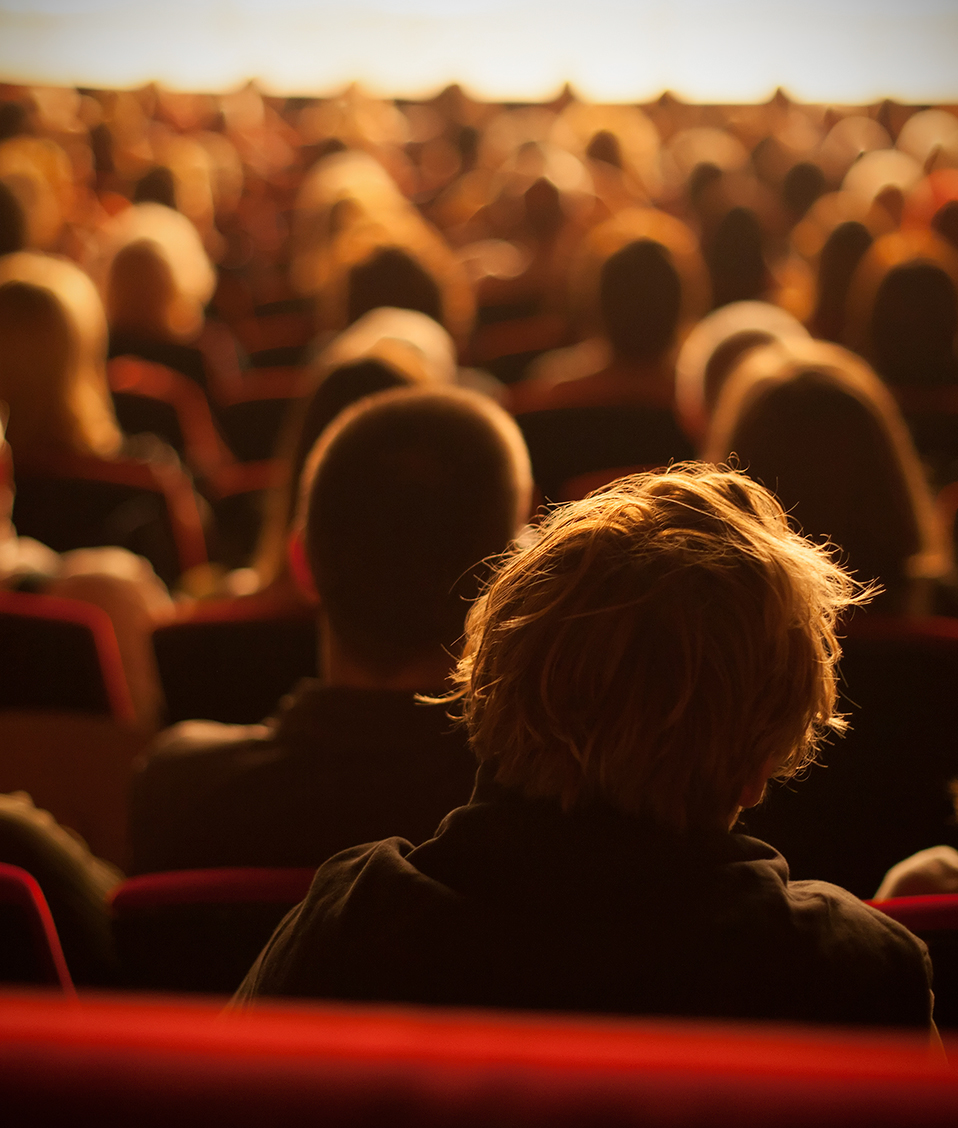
column 517, row 904
column 335, row 767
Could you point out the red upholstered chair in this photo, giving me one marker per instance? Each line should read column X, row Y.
column 30, row 951
column 77, row 501
column 253, row 414
column 152, row 397
column 122, row 1061
column 200, row 930
column 885, row 791
column 60, row 654
column 933, row 917
column 233, row 659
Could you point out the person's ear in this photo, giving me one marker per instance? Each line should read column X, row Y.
column 754, row 790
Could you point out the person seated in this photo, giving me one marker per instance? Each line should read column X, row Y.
column 647, row 284
column 813, row 421
column 407, row 493
column 55, row 402
column 630, row 680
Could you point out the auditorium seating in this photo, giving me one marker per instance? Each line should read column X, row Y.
column 109, row 1061
column 934, row 917
column 76, row 501
column 233, row 659
column 200, row 930
column 60, row 654
column 884, row 792
column 30, row 951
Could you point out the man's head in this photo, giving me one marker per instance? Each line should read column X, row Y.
column 640, row 296
column 408, row 493
column 665, row 645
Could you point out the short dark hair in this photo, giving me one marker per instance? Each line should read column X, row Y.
column 391, row 277
column 640, row 296
column 408, row 493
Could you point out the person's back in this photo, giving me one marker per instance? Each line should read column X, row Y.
column 409, row 491
column 630, row 682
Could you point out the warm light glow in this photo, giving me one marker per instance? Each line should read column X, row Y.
column 610, row 50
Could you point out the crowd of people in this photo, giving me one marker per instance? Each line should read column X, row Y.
column 601, row 426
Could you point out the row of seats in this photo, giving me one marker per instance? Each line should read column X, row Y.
column 111, row 1061
column 201, row 930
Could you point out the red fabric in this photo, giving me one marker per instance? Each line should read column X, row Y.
column 930, row 912
column 19, row 888
column 104, row 638
column 213, row 886
column 113, row 1061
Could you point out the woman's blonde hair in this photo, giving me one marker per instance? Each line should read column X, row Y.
column 658, row 645
column 53, row 359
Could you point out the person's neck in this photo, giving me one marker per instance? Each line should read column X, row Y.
column 342, row 671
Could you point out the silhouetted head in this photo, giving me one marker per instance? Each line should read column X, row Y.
column 803, row 184
column 640, row 298
column 156, row 186
column 408, row 493
column 842, row 252
column 391, row 277
column 814, row 424
column 945, row 222
column 914, row 323
column 735, row 258
column 605, row 146
column 13, row 223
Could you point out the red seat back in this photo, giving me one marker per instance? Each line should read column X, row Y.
column 118, row 1061
column 200, row 930
column 30, row 949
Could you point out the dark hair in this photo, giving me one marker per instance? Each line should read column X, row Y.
column 13, row 224
column 412, row 490
column 640, row 296
column 913, row 324
column 390, row 277
column 338, row 390
column 844, row 249
column 156, row 186
column 945, row 222
column 803, row 184
column 735, row 258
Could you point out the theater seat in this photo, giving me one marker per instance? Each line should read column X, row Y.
column 200, row 930
column 76, row 501
column 566, row 442
column 233, row 659
column 30, row 951
column 933, row 917
column 60, row 654
column 119, row 1061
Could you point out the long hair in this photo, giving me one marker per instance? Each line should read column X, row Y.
column 52, row 359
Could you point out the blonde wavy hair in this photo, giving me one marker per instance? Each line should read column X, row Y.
column 53, row 343
column 660, row 644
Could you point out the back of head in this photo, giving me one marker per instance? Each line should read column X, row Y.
column 815, row 425
column 408, row 493
column 13, row 224
column 735, row 258
column 391, row 277
column 840, row 255
column 140, row 291
column 640, row 296
column 660, row 643
column 52, row 359
column 154, row 272
column 914, row 324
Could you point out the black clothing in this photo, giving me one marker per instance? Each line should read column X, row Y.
column 335, row 767
column 516, row 904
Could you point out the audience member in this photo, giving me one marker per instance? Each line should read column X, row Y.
column 410, row 492
column 630, row 681
column 811, row 421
